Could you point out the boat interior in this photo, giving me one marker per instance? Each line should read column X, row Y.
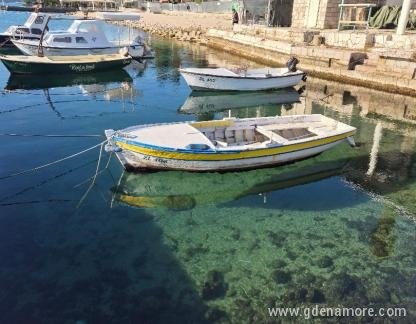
column 262, row 133
column 260, row 72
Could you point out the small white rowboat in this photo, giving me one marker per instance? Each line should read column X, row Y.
column 240, row 80
column 228, row 144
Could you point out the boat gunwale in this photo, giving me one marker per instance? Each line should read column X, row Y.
column 240, row 77
column 47, row 60
column 22, row 42
column 224, row 153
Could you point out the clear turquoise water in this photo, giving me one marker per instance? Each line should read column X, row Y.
column 177, row 247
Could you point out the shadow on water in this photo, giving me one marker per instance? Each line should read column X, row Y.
column 184, row 190
column 70, row 267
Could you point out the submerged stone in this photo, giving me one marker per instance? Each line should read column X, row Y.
column 291, row 255
column 325, row 262
column 343, row 285
column 317, row 296
column 281, row 276
column 215, row 286
column 277, row 239
column 215, row 315
column 279, row 263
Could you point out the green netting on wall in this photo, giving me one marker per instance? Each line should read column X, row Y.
column 388, row 17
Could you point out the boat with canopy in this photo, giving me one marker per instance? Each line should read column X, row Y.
column 83, row 37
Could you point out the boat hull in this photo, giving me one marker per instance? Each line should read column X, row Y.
column 19, row 67
column 134, row 159
column 6, row 41
column 227, row 83
column 32, row 49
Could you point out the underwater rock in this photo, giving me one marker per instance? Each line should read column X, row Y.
column 254, row 245
column 194, row 250
column 279, row 263
column 291, row 255
column 277, row 239
column 382, row 239
column 215, row 315
column 325, row 262
column 295, row 296
column 328, row 245
column 235, row 234
column 316, row 296
column 215, row 286
column 281, row 276
column 343, row 285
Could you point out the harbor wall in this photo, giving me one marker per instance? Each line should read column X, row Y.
column 378, row 60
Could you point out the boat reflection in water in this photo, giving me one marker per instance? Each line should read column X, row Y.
column 180, row 190
column 201, row 102
column 32, row 82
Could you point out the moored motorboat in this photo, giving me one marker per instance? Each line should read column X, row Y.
column 83, row 37
column 248, row 79
column 227, row 144
column 22, row 64
column 30, row 30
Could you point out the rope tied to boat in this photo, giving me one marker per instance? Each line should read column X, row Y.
column 53, row 162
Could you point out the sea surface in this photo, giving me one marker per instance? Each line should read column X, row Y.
column 336, row 230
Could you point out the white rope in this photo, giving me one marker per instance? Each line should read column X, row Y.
column 115, row 192
column 95, row 176
column 101, row 171
column 52, row 163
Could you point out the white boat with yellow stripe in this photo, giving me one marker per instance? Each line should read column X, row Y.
column 227, row 144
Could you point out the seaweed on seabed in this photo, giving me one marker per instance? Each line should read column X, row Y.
column 383, row 239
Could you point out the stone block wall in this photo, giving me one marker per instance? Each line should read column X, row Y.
column 300, row 8
column 328, row 14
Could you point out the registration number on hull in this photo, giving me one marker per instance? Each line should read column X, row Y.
column 206, row 79
column 82, row 68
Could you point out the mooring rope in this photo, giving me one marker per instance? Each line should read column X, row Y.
column 46, row 181
column 95, row 176
column 101, row 171
column 54, row 162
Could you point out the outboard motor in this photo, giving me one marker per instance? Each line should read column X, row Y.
column 291, row 64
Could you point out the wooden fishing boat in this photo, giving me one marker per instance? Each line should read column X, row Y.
column 241, row 79
column 227, row 144
column 21, row 64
